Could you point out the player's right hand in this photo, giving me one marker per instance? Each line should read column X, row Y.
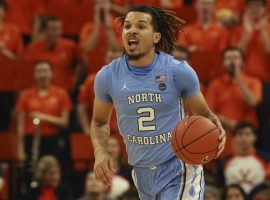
column 104, row 167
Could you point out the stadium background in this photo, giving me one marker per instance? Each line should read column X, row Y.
column 80, row 36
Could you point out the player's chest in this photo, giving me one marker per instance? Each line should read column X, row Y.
column 157, row 90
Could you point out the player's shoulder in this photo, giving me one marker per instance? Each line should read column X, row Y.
column 113, row 67
column 169, row 60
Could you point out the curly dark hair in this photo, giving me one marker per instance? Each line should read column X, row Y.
column 164, row 22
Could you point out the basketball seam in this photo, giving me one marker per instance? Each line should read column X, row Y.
column 187, row 157
column 184, row 147
column 184, row 132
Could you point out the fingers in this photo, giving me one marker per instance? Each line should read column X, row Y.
column 221, row 146
column 104, row 172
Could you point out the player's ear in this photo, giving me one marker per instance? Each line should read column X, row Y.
column 156, row 37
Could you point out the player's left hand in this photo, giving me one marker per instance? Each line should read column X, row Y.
column 222, row 136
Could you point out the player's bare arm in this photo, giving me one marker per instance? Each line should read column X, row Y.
column 99, row 133
column 198, row 106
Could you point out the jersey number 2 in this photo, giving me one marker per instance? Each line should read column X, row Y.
column 149, row 118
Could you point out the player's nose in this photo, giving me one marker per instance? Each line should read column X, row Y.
column 133, row 29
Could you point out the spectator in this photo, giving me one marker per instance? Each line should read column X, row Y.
column 46, row 102
column 234, row 192
column 246, row 167
column 253, row 38
column 86, row 96
column 119, row 7
column 96, row 37
column 203, row 38
column 94, row 190
column 48, row 179
column 62, row 53
column 228, row 12
column 211, row 193
column 11, row 44
column 235, row 95
column 24, row 13
column 205, row 34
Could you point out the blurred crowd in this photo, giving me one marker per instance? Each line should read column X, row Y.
column 50, row 52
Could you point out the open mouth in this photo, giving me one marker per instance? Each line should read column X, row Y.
column 132, row 44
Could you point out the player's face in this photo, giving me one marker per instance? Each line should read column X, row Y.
column 52, row 176
column 92, row 185
column 43, row 73
column 255, row 10
column 234, row 194
column 231, row 60
column 113, row 148
column 54, row 30
column 205, row 6
column 245, row 139
column 138, row 35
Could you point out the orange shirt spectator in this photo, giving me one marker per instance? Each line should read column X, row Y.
column 224, row 97
column 253, row 38
column 95, row 57
column 10, row 39
column 62, row 56
column 234, row 96
column 205, row 36
column 213, row 38
column 54, row 103
column 206, row 41
column 96, row 37
column 236, row 6
column 228, row 12
column 87, row 96
column 257, row 59
column 22, row 13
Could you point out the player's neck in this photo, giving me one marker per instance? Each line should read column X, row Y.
column 143, row 61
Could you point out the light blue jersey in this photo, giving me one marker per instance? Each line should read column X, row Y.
column 147, row 107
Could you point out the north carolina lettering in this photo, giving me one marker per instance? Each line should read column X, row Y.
column 152, row 140
column 144, row 97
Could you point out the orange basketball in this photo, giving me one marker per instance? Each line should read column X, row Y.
column 195, row 140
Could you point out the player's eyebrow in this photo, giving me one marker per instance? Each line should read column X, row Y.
column 141, row 21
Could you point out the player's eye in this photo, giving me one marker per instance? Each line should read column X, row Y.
column 141, row 27
column 127, row 26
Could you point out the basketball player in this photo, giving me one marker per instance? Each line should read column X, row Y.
column 144, row 86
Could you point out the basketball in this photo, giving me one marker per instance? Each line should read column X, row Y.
column 195, row 140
